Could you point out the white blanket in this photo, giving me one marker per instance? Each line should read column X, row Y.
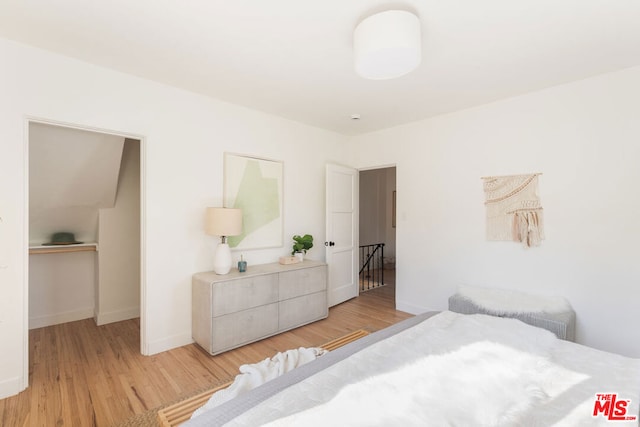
column 504, row 301
column 253, row 375
column 457, row 370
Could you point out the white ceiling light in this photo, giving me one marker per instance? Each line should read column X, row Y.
column 387, row 45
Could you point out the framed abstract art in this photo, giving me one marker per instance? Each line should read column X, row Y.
column 254, row 185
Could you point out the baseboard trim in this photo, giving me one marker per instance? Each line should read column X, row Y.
column 410, row 308
column 11, row 387
column 55, row 319
column 168, row 343
column 117, row 316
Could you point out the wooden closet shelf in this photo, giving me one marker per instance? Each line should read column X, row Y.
column 85, row 247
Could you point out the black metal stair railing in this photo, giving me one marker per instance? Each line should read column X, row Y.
column 371, row 266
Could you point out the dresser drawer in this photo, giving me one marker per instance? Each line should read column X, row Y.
column 240, row 294
column 232, row 310
column 243, row 327
column 302, row 282
column 298, row 311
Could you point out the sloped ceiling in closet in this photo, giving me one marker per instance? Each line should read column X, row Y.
column 72, row 174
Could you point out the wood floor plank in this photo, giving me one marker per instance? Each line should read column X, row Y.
column 81, row 374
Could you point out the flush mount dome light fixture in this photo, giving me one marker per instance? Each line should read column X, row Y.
column 387, row 45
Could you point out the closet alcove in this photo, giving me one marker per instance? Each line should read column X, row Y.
column 87, row 183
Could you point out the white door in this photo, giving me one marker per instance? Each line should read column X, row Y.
column 342, row 233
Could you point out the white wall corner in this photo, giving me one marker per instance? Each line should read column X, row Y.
column 12, row 386
column 412, row 308
column 169, row 343
column 117, row 315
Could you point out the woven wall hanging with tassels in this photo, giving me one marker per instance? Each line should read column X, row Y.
column 513, row 208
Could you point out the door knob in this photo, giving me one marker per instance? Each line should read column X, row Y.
column 329, row 243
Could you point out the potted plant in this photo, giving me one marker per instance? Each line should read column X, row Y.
column 301, row 244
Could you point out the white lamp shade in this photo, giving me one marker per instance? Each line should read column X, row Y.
column 387, row 45
column 223, row 221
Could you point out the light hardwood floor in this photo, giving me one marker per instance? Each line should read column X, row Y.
column 84, row 375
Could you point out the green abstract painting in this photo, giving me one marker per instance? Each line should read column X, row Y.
column 255, row 186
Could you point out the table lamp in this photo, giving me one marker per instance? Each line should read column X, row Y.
column 223, row 222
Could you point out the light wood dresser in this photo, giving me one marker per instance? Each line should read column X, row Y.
column 239, row 308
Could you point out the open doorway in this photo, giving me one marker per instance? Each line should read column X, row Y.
column 377, row 235
column 86, row 184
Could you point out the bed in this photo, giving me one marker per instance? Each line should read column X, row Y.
column 446, row 369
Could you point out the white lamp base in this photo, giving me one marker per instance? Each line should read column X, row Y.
column 222, row 259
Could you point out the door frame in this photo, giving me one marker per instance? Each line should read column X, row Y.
column 25, row 240
column 380, row 167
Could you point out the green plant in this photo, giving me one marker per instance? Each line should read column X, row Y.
column 302, row 243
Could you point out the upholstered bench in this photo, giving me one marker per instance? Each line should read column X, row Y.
column 551, row 313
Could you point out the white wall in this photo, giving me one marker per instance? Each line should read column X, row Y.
column 584, row 138
column 184, row 137
column 61, row 287
column 119, row 245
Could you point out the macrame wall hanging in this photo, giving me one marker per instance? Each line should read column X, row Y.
column 513, row 207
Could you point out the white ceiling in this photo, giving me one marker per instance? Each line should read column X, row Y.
column 293, row 58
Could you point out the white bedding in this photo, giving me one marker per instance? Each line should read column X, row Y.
column 459, row 370
column 255, row 374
